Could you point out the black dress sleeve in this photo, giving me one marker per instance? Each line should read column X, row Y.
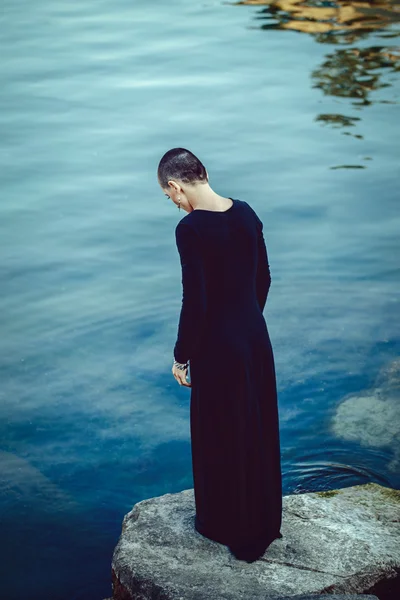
column 263, row 275
column 192, row 316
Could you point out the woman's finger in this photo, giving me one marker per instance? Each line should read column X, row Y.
column 185, row 383
column 182, row 378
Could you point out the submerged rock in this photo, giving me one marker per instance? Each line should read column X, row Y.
column 371, row 417
column 344, row 541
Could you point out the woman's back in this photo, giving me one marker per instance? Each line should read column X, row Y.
column 225, row 276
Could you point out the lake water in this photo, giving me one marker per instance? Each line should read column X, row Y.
column 295, row 112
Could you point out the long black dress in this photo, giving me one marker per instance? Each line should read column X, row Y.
column 234, row 419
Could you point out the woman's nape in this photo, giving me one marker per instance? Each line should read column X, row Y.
column 198, row 196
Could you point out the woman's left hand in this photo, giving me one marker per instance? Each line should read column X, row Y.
column 181, row 375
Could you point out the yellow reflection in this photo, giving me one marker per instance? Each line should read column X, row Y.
column 311, row 17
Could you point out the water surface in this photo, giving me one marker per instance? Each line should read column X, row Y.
column 294, row 111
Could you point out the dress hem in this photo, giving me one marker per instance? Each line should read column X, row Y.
column 221, row 539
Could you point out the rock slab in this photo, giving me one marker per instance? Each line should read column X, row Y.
column 344, row 541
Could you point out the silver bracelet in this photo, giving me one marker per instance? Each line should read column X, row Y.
column 181, row 366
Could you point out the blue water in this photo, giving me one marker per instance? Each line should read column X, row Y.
column 295, row 116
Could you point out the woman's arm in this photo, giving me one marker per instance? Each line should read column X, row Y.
column 192, row 316
column 263, row 275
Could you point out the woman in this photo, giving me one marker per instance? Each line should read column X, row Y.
column 223, row 337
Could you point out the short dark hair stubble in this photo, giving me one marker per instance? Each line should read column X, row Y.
column 181, row 164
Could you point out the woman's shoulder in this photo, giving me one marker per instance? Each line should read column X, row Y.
column 252, row 211
column 185, row 221
column 185, row 228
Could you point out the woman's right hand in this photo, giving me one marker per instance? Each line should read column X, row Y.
column 181, row 376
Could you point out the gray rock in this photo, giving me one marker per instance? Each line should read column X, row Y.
column 317, row 597
column 344, row 541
